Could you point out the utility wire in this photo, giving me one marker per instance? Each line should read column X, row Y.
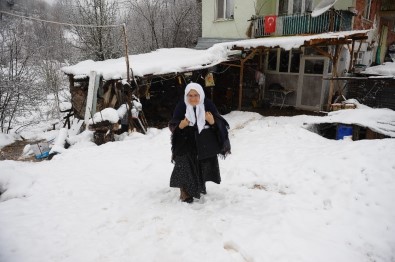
column 79, row 25
column 58, row 23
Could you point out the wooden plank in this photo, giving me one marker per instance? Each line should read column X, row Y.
column 345, row 78
column 241, row 85
column 230, row 64
column 329, row 41
column 334, row 74
column 359, row 37
column 91, row 99
column 351, row 65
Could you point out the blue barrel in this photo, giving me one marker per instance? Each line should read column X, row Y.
column 342, row 131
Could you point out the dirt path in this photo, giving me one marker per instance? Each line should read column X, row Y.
column 15, row 151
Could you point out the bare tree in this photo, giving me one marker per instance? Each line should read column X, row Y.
column 98, row 43
column 18, row 92
column 164, row 23
column 30, row 59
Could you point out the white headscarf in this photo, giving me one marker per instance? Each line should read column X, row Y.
column 200, row 110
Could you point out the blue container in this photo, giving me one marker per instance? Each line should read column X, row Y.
column 43, row 155
column 342, row 131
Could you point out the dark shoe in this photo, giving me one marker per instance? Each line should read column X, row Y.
column 188, row 200
column 185, row 197
column 203, row 190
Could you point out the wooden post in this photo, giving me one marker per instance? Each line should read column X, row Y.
column 251, row 55
column 91, row 99
column 126, row 53
column 334, row 74
column 241, row 85
column 352, row 57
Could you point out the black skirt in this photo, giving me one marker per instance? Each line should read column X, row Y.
column 192, row 174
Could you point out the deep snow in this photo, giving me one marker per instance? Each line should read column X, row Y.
column 287, row 195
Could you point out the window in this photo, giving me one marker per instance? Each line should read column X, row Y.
column 284, row 61
column 286, row 7
column 283, row 7
column 295, row 61
column 297, row 7
column 225, row 9
column 288, row 61
column 272, row 60
column 366, row 12
column 314, row 66
column 359, row 58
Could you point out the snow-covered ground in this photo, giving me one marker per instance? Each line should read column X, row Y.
column 287, row 195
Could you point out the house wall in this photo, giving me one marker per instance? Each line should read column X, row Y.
column 340, row 5
column 243, row 10
column 270, row 6
column 360, row 22
column 266, row 7
column 391, row 33
column 391, row 30
column 231, row 28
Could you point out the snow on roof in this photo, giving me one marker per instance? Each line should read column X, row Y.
column 289, row 42
column 386, row 69
column 173, row 60
column 161, row 61
column 380, row 120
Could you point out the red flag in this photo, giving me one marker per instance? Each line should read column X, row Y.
column 270, row 24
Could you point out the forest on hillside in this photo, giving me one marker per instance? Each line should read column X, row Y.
column 32, row 87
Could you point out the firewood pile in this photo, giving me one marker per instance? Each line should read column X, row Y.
column 103, row 132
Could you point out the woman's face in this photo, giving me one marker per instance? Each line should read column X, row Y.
column 193, row 97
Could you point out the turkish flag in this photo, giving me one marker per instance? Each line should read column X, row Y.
column 270, row 24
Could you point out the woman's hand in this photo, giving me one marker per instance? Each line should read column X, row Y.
column 210, row 118
column 183, row 123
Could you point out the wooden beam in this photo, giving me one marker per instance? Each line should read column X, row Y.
column 342, row 78
column 251, row 55
column 235, row 47
column 334, row 74
column 330, row 41
column 230, row 65
column 241, row 86
column 352, row 56
column 358, row 37
column 125, row 39
column 322, row 52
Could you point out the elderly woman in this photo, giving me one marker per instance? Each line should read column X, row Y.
column 199, row 133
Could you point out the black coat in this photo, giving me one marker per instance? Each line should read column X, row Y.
column 184, row 140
